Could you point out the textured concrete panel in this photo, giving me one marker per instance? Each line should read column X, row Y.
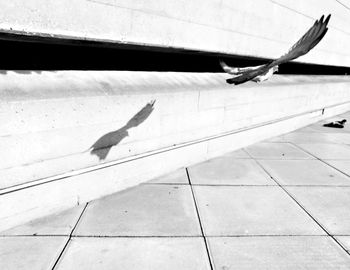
column 238, row 154
column 132, row 213
column 301, row 252
column 229, row 171
column 61, row 223
column 135, row 253
column 35, row 253
column 276, row 151
column 39, row 141
column 327, row 150
column 304, row 172
column 251, row 211
column 177, row 177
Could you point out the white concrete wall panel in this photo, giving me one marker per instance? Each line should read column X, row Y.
column 50, row 120
column 264, row 28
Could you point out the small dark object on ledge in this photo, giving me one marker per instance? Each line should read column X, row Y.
column 336, row 124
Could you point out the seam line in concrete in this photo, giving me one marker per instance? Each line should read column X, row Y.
column 200, row 222
column 170, row 236
column 69, row 238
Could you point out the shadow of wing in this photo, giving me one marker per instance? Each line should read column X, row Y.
column 141, row 116
column 104, row 144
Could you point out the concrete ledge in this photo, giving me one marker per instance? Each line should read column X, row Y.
column 49, row 121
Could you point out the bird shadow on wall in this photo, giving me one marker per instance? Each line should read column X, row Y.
column 104, row 144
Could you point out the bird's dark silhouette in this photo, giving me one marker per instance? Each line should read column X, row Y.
column 336, row 124
column 261, row 73
column 104, row 144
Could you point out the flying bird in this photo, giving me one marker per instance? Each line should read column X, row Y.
column 263, row 72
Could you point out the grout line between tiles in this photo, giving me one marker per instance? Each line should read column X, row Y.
column 268, row 185
column 284, row 158
column 69, row 238
column 267, row 235
column 249, row 185
column 200, row 236
column 165, row 184
column 200, row 222
column 33, row 235
column 303, row 208
column 175, row 236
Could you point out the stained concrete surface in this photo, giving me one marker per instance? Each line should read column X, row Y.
column 234, row 211
column 177, row 177
column 266, row 150
column 281, row 252
column 136, row 253
column 327, row 150
column 57, row 224
column 288, row 214
column 304, row 172
column 229, row 171
column 149, row 210
column 33, row 253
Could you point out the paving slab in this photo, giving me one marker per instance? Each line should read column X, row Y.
column 339, row 138
column 146, row 210
column 342, row 165
column 61, row 223
column 229, row 171
column 177, row 177
column 276, row 151
column 328, row 205
column 268, row 210
column 298, row 252
column 327, row 150
column 135, row 253
column 345, row 241
column 304, row 172
column 34, row 253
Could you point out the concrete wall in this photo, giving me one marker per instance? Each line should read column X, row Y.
column 264, row 28
column 50, row 120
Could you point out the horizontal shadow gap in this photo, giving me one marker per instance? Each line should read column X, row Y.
column 21, row 52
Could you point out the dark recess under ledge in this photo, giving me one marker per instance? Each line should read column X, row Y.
column 21, row 52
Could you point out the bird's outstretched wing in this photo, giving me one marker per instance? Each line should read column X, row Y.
column 237, row 70
column 308, row 41
column 248, row 75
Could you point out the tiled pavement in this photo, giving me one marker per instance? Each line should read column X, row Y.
column 279, row 204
